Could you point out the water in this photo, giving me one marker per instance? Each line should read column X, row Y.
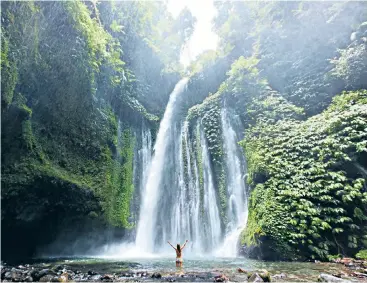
column 236, row 187
column 212, row 223
column 174, row 205
column 145, row 238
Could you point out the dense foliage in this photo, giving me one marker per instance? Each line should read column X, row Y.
column 70, row 72
column 305, row 143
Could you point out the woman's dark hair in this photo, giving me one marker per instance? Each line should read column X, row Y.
column 179, row 247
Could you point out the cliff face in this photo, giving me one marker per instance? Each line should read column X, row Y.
column 71, row 125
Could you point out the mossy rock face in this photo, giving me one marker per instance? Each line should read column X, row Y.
column 311, row 197
column 60, row 134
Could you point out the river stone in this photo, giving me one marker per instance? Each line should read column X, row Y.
column 156, row 275
column 329, row 278
column 28, row 279
column 96, row 277
column 221, row 278
column 16, row 275
column 49, row 278
column 279, row 276
column 255, row 278
column 265, row 275
column 7, row 275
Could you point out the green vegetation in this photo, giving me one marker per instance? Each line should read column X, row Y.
column 69, row 74
column 362, row 254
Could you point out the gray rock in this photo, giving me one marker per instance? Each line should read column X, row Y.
column 329, row 278
column 35, row 275
column 96, row 277
column 279, row 276
column 7, row 275
column 28, row 279
column 16, row 275
column 255, row 278
column 156, row 275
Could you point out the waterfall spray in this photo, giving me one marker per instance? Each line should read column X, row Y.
column 147, row 220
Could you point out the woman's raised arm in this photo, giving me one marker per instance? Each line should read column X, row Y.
column 184, row 245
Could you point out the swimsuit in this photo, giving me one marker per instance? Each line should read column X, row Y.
column 179, row 260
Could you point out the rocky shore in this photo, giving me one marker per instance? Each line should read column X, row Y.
column 350, row 270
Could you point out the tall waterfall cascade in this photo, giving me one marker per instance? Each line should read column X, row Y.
column 178, row 197
column 236, row 188
column 146, row 231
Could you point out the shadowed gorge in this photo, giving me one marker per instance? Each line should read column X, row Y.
column 121, row 131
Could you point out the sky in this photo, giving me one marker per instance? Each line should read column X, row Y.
column 203, row 37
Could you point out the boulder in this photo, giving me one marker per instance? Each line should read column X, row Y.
column 156, row 275
column 279, row 276
column 28, row 279
column 49, row 278
column 91, row 272
column 107, row 278
column 265, row 275
column 255, row 277
column 330, row 278
column 7, row 275
column 17, row 275
column 221, row 278
column 96, row 277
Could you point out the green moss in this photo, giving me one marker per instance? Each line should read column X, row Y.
column 199, row 157
column 304, row 196
column 9, row 75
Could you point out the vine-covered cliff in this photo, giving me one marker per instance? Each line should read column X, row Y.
column 76, row 94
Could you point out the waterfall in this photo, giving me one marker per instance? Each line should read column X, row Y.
column 146, row 232
column 194, row 193
column 236, row 188
column 213, row 227
column 145, row 154
column 178, row 194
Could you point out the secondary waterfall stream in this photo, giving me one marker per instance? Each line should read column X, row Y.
column 178, row 195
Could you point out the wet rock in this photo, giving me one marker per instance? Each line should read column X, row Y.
column 96, row 277
column 359, row 274
column 346, row 260
column 35, row 275
column 107, row 278
column 49, row 278
column 141, row 274
column 255, row 277
column 91, row 272
column 64, row 277
column 44, row 272
column 7, row 275
column 279, row 276
column 16, row 275
column 265, row 275
column 240, row 270
column 28, row 279
column 156, row 275
column 330, row 278
column 221, row 278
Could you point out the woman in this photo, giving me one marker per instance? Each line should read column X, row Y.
column 179, row 250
